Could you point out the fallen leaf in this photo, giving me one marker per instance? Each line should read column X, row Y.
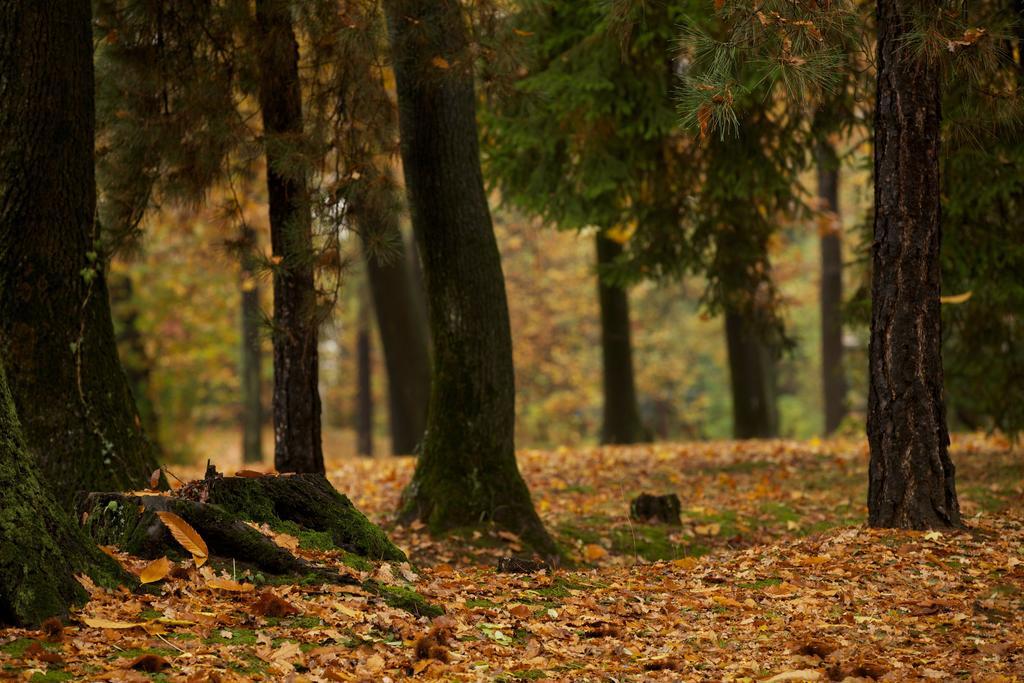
column 956, row 298
column 107, row 623
column 156, row 570
column 184, row 534
column 440, row 62
column 593, row 552
column 229, row 585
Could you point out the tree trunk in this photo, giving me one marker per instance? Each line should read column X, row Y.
column 403, row 334
column 297, row 446
column 56, row 334
column 43, row 548
column 47, row 201
column 138, row 366
column 364, row 400
column 251, row 354
column 911, row 477
column 833, row 378
column 622, row 424
column 752, row 375
column 467, row 472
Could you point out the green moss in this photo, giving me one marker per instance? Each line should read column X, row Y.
column 473, row 603
column 405, row 599
column 150, row 614
column 52, row 675
column 761, row 583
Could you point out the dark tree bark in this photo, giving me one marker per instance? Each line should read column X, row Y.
column 402, row 323
column 752, row 376
column 47, row 199
column 831, row 299
column 251, row 354
column 467, row 472
column 297, row 445
column 622, row 423
column 56, row 334
column 364, row 398
column 911, row 477
column 43, row 548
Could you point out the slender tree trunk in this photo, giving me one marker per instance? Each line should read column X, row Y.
column 251, row 355
column 56, row 334
column 297, row 446
column 403, row 334
column 622, row 424
column 752, row 375
column 833, row 377
column 364, row 400
column 47, row 202
column 467, row 472
column 138, row 366
column 911, row 477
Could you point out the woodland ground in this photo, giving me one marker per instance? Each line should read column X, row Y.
column 772, row 574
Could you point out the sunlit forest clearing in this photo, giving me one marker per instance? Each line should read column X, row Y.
column 511, row 340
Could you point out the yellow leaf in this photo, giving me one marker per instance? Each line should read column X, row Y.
column 593, row 552
column 520, row 32
column 107, row 623
column 440, row 62
column 155, row 570
column 685, row 562
column 622, row 233
column 707, row 529
column 956, row 298
column 726, row 601
column 229, row 585
column 184, row 534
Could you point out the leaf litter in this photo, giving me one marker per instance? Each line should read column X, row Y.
column 772, row 576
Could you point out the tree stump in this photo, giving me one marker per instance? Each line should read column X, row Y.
column 656, row 509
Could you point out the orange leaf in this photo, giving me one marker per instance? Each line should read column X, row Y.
column 956, row 298
column 184, row 534
column 593, row 552
column 156, row 570
column 440, row 62
column 704, row 119
column 249, row 474
column 154, row 479
column 107, row 623
column 719, row 4
column 229, row 585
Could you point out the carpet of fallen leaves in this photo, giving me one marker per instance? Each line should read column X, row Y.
column 772, row 576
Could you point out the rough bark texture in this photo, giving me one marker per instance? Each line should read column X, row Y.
column 831, row 297
column 752, row 376
column 42, row 548
column 403, row 334
column 297, row 446
column 364, row 398
column 56, row 334
column 621, row 423
column 911, row 477
column 251, row 355
column 467, row 472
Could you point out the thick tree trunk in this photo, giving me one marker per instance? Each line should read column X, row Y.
column 43, row 548
column 297, row 446
column 364, row 398
column 56, row 334
column 403, row 334
column 251, row 355
column 467, row 472
column 831, row 301
column 911, row 477
column 752, row 375
column 621, row 424
column 138, row 366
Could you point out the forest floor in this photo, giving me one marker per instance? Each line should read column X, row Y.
column 771, row 576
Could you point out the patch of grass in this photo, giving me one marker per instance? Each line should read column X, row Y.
column 480, row 602
column 239, row 636
column 528, row 675
column 743, row 467
column 405, row 598
column 138, row 651
column 761, row 583
column 649, row 542
column 250, row 665
column 53, row 675
column 988, row 500
column 150, row 614
column 780, row 512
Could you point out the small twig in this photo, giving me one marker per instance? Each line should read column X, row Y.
column 160, row 636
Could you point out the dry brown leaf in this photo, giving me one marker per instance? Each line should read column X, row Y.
column 229, row 585
column 96, row 622
column 156, row 570
column 188, row 537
